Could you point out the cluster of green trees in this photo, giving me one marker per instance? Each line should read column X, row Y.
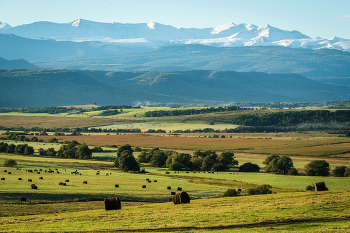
column 10, row 163
column 155, row 131
column 21, row 149
column 179, row 112
column 74, row 150
column 107, row 107
column 200, row 161
column 292, row 118
column 280, row 164
column 337, row 104
column 109, row 112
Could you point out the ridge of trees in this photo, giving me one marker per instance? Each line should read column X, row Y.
column 179, row 112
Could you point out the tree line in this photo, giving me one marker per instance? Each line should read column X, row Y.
column 191, row 111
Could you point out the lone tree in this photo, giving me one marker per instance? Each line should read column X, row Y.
column 278, row 164
column 339, row 171
column 10, row 163
column 317, row 168
column 127, row 162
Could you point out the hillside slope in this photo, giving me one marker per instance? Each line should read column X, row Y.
column 35, row 87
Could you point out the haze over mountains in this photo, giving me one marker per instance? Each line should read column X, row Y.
column 114, row 63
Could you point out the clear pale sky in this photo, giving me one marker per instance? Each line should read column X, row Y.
column 323, row 18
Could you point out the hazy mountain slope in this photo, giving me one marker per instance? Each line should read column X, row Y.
column 36, row 87
column 309, row 63
column 16, row 64
column 15, row 47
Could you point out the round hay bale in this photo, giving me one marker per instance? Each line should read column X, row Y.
column 117, row 185
column 5, row 170
column 320, row 186
column 143, row 186
column 40, row 178
column 179, row 189
column 66, row 181
column 84, row 182
column 29, row 180
column 2, row 178
column 181, row 198
column 112, row 203
column 19, row 178
column 9, row 173
column 172, row 193
column 38, row 173
column 155, row 181
column 168, row 187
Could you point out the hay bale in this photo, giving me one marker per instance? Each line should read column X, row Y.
column 168, row 187
column 84, row 182
column 5, row 170
column 61, row 183
column 320, row 186
column 29, row 180
column 9, row 173
column 112, row 203
column 149, row 181
column 179, row 189
column 167, row 172
column 2, row 178
column 116, row 185
column 66, row 181
column 23, row 199
column 19, row 178
column 38, row 173
column 155, row 181
column 173, row 193
column 35, row 187
column 143, row 186
column 40, row 178
column 181, row 198
column 64, row 184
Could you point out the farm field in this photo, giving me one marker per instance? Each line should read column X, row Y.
column 79, row 207
column 307, row 212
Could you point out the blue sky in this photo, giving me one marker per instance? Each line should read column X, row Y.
column 323, row 18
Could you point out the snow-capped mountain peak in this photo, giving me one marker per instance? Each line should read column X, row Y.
column 150, row 25
column 4, row 26
column 145, row 35
column 220, row 28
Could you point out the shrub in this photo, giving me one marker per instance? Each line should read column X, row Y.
column 317, row 168
column 262, row 189
column 293, row 172
column 310, row 187
column 278, row 164
column 249, row 167
column 10, row 163
column 231, row 193
column 339, row 171
column 138, row 149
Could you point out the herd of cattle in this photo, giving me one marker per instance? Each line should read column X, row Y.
column 110, row 203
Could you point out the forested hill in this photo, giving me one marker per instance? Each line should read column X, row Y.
column 42, row 88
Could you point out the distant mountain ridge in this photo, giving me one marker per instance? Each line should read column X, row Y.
column 153, row 35
column 42, row 88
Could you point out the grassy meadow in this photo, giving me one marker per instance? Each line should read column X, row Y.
column 79, row 207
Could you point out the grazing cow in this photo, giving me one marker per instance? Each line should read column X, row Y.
column 23, row 199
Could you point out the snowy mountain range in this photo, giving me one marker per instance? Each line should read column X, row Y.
column 154, row 35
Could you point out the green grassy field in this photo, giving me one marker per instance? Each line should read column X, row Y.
column 307, row 212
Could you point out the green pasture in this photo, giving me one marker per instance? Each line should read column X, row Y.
column 298, row 212
column 275, row 180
